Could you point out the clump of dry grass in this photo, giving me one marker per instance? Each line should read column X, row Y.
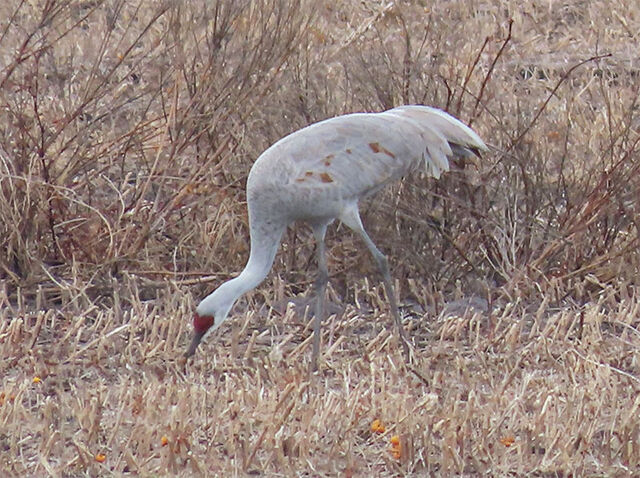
column 126, row 133
column 548, row 392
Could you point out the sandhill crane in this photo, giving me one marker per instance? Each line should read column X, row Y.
column 318, row 174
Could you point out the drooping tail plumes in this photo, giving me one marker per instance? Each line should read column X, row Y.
column 447, row 136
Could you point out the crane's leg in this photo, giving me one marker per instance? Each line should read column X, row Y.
column 320, row 287
column 351, row 218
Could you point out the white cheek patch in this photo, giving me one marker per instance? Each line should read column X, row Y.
column 211, row 329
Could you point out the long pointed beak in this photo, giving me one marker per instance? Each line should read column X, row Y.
column 197, row 337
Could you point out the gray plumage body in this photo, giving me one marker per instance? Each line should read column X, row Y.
column 318, row 174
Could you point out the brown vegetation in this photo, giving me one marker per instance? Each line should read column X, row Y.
column 127, row 129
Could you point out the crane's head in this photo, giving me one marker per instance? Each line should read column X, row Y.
column 209, row 314
column 201, row 325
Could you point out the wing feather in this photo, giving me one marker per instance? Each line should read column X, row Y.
column 357, row 154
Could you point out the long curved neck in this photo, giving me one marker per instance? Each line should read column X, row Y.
column 263, row 252
column 264, row 245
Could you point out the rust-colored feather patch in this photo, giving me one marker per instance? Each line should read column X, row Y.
column 378, row 148
column 302, row 179
column 326, row 178
column 375, row 147
column 328, row 158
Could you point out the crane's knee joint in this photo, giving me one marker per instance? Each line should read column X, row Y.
column 383, row 264
column 322, row 278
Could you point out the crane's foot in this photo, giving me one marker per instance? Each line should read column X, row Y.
column 407, row 348
column 403, row 338
column 313, row 368
column 313, row 365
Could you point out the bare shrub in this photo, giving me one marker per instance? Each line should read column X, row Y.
column 127, row 129
column 112, row 134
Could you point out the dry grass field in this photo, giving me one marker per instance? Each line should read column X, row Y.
column 127, row 129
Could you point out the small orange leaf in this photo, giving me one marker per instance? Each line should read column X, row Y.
column 396, row 447
column 377, row 426
column 100, row 457
column 508, row 440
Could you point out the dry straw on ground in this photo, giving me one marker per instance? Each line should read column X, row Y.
column 127, row 129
